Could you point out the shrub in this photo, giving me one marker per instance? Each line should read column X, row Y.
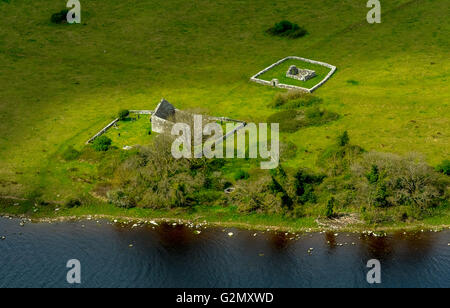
column 258, row 196
column 297, row 33
column 60, row 18
column 287, row 119
column 287, row 29
column 380, row 195
column 123, row 114
column 343, row 139
column 330, row 207
column 279, row 171
column 70, row 154
column 374, row 175
column 304, row 185
column 283, row 27
column 102, row 144
column 353, row 82
column 226, row 185
column 241, row 175
column 291, row 120
column 444, row 167
column 288, row 150
column 337, row 158
column 316, row 116
column 73, row 203
column 121, row 199
column 298, row 211
column 294, row 99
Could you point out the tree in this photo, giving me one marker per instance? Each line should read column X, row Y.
column 399, row 181
column 373, row 175
column 444, row 167
column 330, row 207
column 102, row 144
column 123, row 114
column 304, row 183
column 60, row 17
column 343, row 139
column 381, row 195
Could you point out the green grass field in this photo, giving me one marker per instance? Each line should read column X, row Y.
column 131, row 132
column 59, row 84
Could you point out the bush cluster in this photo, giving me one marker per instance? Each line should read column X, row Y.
column 280, row 192
column 241, row 175
column 70, row 154
column 292, row 120
column 444, row 167
column 73, row 203
column 294, row 99
column 60, row 17
column 123, row 114
column 387, row 180
column 287, row 29
column 102, row 144
column 384, row 187
column 153, row 178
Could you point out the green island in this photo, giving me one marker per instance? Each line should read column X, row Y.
column 369, row 149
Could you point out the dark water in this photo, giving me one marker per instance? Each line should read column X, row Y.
column 35, row 255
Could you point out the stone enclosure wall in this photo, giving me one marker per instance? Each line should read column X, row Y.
column 107, row 127
column 275, row 83
column 104, row 130
column 160, row 125
column 164, row 126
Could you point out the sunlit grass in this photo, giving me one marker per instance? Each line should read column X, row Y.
column 60, row 84
column 135, row 130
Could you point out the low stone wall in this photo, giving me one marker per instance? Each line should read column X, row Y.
column 150, row 112
column 164, row 126
column 107, row 127
column 290, row 87
column 222, row 139
column 161, row 125
column 104, row 130
column 225, row 119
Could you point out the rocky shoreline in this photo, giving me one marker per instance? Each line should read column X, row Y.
column 197, row 224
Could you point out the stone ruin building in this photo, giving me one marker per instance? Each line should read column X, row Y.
column 300, row 74
column 160, row 119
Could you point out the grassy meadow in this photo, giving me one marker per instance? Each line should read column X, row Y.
column 133, row 131
column 60, row 84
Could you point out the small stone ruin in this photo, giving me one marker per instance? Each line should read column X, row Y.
column 300, row 74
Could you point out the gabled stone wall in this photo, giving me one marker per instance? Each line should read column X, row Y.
column 291, row 87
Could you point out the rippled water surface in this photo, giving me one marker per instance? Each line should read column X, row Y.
column 114, row 255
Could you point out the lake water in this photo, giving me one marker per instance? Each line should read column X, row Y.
column 35, row 255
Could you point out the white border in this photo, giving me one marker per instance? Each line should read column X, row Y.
column 287, row 86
